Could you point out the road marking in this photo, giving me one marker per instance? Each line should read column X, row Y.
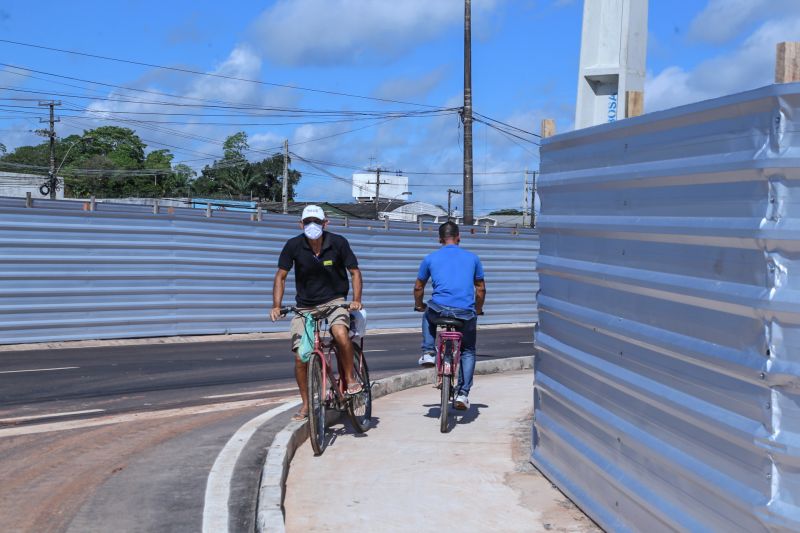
column 50, row 415
column 135, row 417
column 251, row 393
column 526, row 342
column 218, row 486
column 39, row 369
column 376, row 350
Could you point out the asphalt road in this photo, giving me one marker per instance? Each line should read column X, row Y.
column 130, row 438
column 116, row 379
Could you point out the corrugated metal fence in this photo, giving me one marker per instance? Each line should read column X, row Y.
column 668, row 383
column 122, row 271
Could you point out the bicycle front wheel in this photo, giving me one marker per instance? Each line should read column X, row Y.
column 316, row 407
column 359, row 408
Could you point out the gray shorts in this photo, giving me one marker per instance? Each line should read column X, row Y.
column 336, row 317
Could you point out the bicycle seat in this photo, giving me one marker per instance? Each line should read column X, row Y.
column 448, row 321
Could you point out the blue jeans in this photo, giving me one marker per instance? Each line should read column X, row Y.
column 467, row 366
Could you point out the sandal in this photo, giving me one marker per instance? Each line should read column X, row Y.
column 300, row 415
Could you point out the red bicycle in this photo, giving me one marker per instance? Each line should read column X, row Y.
column 327, row 390
column 448, row 357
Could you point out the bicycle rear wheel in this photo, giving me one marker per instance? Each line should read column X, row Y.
column 444, row 421
column 359, row 408
column 316, row 405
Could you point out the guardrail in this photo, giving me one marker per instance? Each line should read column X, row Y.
column 667, row 389
column 74, row 270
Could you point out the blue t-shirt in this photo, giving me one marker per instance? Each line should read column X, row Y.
column 454, row 271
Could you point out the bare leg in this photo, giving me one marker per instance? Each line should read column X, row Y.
column 344, row 353
column 301, row 374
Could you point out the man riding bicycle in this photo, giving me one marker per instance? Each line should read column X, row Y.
column 321, row 260
column 459, row 291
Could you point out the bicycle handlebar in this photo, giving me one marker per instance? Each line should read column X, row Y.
column 293, row 309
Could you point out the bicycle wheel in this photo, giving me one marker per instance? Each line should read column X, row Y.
column 443, row 415
column 316, row 407
column 359, row 408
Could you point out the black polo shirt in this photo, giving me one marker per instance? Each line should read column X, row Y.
column 319, row 279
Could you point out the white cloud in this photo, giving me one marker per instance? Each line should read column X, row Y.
column 243, row 63
column 723, row 20
column 332, row 32
column 411, row 89
column 750, row 66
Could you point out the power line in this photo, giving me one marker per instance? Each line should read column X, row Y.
column 209, row 74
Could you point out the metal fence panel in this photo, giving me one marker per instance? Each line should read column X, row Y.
column 667, row 389
column 121, row 271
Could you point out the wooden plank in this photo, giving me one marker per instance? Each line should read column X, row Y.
column 634, row 103
column 787, row 64
column 548, row 128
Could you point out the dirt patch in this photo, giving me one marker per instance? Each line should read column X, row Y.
column 557, row 512
column 47, row 477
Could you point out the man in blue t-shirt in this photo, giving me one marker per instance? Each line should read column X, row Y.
column 458, row 292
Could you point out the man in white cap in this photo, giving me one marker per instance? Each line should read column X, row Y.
column 321, row 260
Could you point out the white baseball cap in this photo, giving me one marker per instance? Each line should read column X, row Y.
column 313, row 211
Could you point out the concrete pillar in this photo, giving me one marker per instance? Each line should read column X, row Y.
column 613, row 60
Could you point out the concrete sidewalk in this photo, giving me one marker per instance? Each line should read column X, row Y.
column 404, row 475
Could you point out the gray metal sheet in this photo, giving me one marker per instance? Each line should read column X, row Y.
column 121, row 271
column 667, row 389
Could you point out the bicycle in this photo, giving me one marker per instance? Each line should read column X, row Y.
column 448, row 358
column 326, row 390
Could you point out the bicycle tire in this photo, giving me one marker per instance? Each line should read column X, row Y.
column 359, row 407
column 316, row 405
column 444, row 421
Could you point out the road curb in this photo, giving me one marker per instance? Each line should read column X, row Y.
column 269, row 518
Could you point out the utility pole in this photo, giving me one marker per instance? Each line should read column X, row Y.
column 377, row 184
column 52, row 182
column 450, row 193
column 467, row 116
column 531, row 173
column 524, row 196
column 377, row 189
column 285, row 195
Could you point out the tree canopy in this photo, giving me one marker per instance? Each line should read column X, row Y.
column 113, row 162
column 506, row 212
column 236, row 177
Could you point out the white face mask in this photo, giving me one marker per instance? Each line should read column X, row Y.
column 313, row 231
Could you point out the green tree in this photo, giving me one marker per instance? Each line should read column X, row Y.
column 270, row 170
column 506, row 212
column 121, row 145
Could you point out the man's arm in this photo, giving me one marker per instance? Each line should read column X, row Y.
column 355, row 275
column 419, row 293
column 480, row 295
column 278, row 286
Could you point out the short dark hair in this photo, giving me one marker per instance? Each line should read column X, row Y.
column 448, row 230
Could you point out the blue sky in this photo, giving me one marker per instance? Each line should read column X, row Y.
column 525, row 61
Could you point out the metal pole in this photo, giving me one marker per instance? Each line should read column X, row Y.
column 467, row 118
column 286, row 176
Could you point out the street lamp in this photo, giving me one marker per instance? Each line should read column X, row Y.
column 404, row 193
